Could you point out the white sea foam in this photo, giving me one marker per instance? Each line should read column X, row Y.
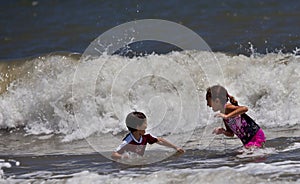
column 3, row 164
column 213, row 176
column 42, row 101
column 274, row 170
column 256, row 152
column 292, row 147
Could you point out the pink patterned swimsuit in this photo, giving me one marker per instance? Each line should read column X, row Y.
column 247, row 130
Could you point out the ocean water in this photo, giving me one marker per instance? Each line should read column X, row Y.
column 59, row 122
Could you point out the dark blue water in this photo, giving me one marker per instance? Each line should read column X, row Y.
column 31, row 28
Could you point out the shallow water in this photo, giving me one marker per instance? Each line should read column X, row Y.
column 278, row 162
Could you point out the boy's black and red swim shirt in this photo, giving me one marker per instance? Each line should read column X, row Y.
column 130, row 144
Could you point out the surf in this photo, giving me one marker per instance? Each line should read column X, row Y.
column 36, row 94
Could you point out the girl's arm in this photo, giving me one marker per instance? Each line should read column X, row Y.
column 220, row 130
column 232, row 111
column 228, row 132
column 166, row 143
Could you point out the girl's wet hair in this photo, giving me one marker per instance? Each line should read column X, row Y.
column 220, row 92
column 135, row 119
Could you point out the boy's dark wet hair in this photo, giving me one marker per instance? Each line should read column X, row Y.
column 135, row 119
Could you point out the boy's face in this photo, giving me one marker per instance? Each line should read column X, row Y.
column 142, row 129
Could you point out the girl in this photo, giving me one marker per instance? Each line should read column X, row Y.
column 234, row 117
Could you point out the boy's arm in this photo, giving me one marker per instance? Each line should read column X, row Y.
column 118, row 153
column 166, row 143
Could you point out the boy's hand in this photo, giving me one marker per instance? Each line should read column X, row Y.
column 125, row 156
column 180, row 150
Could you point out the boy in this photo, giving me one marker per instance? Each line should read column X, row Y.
column 137, row 140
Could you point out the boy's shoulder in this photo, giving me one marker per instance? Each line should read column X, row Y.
column 145, row 138
column 149, row 136
column 127, row 138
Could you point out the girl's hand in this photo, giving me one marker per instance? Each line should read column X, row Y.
column 221, row 115
column 218, row 130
